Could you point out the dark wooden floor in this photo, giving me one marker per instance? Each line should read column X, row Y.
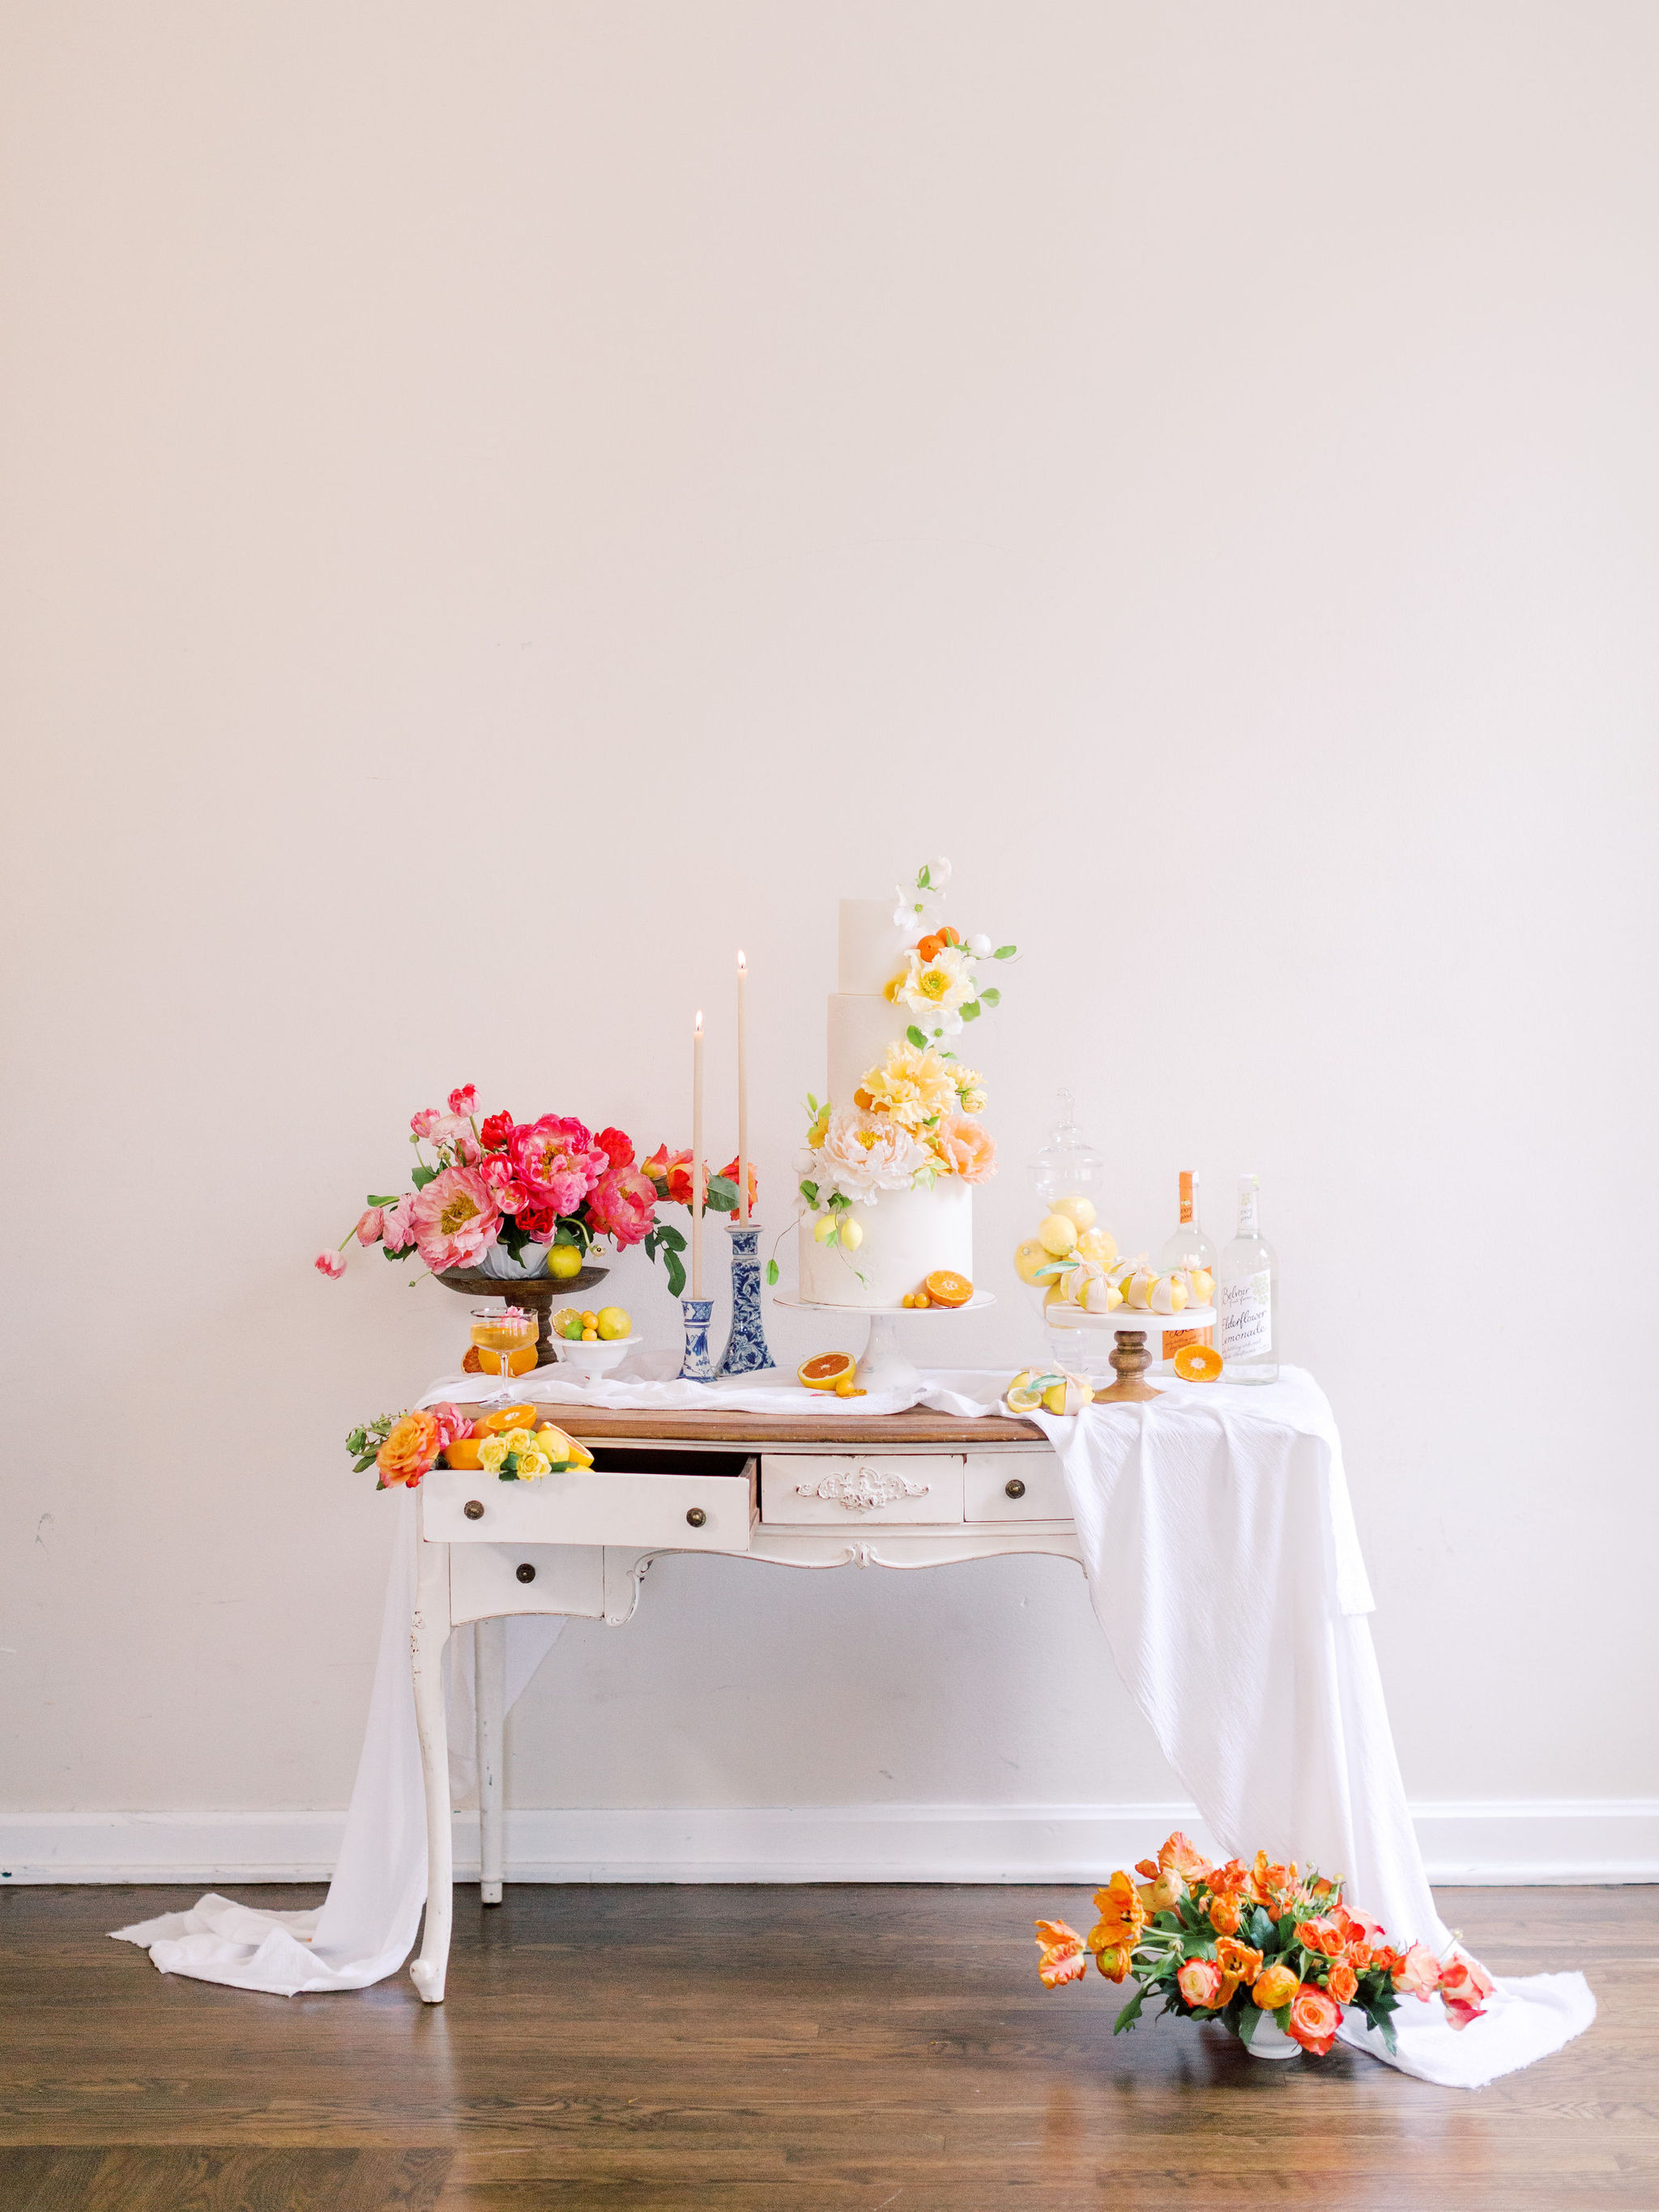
column 752, row 2048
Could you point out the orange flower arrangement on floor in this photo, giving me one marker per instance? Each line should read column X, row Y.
column 1234, row 1943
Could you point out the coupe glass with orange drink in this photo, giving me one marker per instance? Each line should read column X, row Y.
column 503, row 1331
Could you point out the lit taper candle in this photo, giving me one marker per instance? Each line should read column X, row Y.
column 743, row 1087
column 698, row 1194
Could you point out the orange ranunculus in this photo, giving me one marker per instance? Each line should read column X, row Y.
column 1342, row 1982
column 1178, row 1854
column 1114, row 1962
column 1060, row 1956
column 1232, row 1880
column 409, row 1449
column 1323, row 1937
column 1122, row 1915
column 1224, row 1915
column 1164, row 1894
column 1200, row 1982
column 1278, row 1983
column 1315, row 2018
column 1238, row 1960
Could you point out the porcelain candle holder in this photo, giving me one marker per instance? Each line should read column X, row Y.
column 745, row 1351
column 696, row 1367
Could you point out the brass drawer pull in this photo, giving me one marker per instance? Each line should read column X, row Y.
column 473, row 1508
column 696, row 1517
column 526, row 1572
column 1015, row 1488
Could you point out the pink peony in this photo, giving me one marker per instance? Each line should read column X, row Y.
column 617, row 1148
column 464, row 1101
column 498, row 1172
column 395, row 1232
column 369, row 1225
column 330, row 1264
column 1465, row 1985
column 454, row 1132
column 452, row 1424
column 421, row 1123
column 454, row 1219
column 556, row 1161
column 620, row 1205
column 966, row 1144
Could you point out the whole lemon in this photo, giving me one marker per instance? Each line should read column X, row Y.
column 1098, row 1244
column 1079, row 1209
column 1058, row 1235
column 1028, row 1258
column 613, row 1323
column 851, row 1236
column 565, row 1262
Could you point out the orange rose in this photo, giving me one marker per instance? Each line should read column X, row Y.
column 1200, row 1982
column 1323, row 1937
column 1060, row 1956
column 1122, row 1915
column 1342, row 1982
column 1465, row 1985
column 1224, row 1915
column 1238, row 1960
column 409, row 1450
column 1275, row 1986
column 1314, row 2019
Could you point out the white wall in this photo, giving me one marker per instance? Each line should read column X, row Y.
column 627, row 475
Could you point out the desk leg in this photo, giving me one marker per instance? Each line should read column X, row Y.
column 490, row 1695
column 429, row 1634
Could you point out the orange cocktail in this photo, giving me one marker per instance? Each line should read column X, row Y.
column 503, row 1331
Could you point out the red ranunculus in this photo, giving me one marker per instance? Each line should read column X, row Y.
column 463, row 1100
column 494, row 1131
column 730, row 1171
column 538, row 1222
column 617, row 1147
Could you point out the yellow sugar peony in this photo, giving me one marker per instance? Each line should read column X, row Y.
column 912, row 1087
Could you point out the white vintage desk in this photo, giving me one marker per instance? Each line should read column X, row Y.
column 897, row 1490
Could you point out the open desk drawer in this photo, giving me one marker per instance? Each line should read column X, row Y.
column 652, row 1500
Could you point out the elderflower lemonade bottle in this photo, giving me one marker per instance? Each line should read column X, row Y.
column 1247, row 1297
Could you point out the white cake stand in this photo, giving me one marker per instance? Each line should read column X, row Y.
column 1122, row 1317
column 884, row 1364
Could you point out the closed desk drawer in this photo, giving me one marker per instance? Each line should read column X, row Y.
column 871, row 1490
column 690, row 1512
column 489, row 1580
column 1015, row 1487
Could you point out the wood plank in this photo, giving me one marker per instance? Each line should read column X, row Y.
column 779, row 2049
column 954, row 1431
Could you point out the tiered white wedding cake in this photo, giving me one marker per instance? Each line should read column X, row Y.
column 892, row 1156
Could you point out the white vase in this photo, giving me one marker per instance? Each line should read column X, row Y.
column 1270, row 2041
column 499, row 1262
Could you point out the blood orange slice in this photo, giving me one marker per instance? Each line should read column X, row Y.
column 826, row 1370
column 945, row 1287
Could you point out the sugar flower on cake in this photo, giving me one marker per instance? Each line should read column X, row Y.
column 863, row 1154
column 936, row 988
column 911, row 1087
column 964, row 1147
column 939, row 982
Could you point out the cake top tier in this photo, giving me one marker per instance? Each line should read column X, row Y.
column 872, row 947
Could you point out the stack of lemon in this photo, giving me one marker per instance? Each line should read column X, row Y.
column 1055, row 1388
column 1073, row 1255
column 605, row 1326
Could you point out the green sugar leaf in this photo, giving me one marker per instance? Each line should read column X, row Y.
column 914, row 1036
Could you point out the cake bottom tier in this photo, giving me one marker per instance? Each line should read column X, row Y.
column 907, row 1235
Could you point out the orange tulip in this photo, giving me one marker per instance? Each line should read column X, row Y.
column 1060, row 1956
column 1238, row 1960
column 1122, row 1914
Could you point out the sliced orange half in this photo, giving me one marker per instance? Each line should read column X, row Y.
column 510, row 1417
column 826, row 1370
column 945, row 1287
column 1197, row 1362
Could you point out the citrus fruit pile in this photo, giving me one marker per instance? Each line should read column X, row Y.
column 1055, row 1388
column 943, row 1288
column 831, row 1371
column 508, row 1444
column 1079, row 1262
column 607, row 1326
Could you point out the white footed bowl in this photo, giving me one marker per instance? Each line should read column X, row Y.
column 592, row 1359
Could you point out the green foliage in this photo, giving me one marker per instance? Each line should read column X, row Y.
column 914, row 1036
column 968, row 1010
column 990, row 996
column 809, row 1191
column 1005, row 952
column 771, row 1271
column 373, row 1200
column 422, row 1175
column 671, row 1243
column 722, row 1196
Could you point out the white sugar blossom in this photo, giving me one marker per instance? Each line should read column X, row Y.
column 862, row 1154
column 934, row 989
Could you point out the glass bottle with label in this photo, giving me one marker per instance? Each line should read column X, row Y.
column 1247, row 1297
column 1191, row 1248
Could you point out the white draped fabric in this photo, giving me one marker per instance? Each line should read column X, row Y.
column 1225, row 1569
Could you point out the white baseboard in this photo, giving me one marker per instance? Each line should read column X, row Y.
column 1542, row 1840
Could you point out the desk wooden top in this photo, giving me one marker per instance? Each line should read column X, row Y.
column 835, row 1431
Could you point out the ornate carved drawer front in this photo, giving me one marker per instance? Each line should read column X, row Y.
column 668, row 1511
column 1016, row 1487
column 488, row 1580
column 857, row 1489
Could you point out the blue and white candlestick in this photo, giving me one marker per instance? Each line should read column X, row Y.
column 696, row 1367
column 745, row 1351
